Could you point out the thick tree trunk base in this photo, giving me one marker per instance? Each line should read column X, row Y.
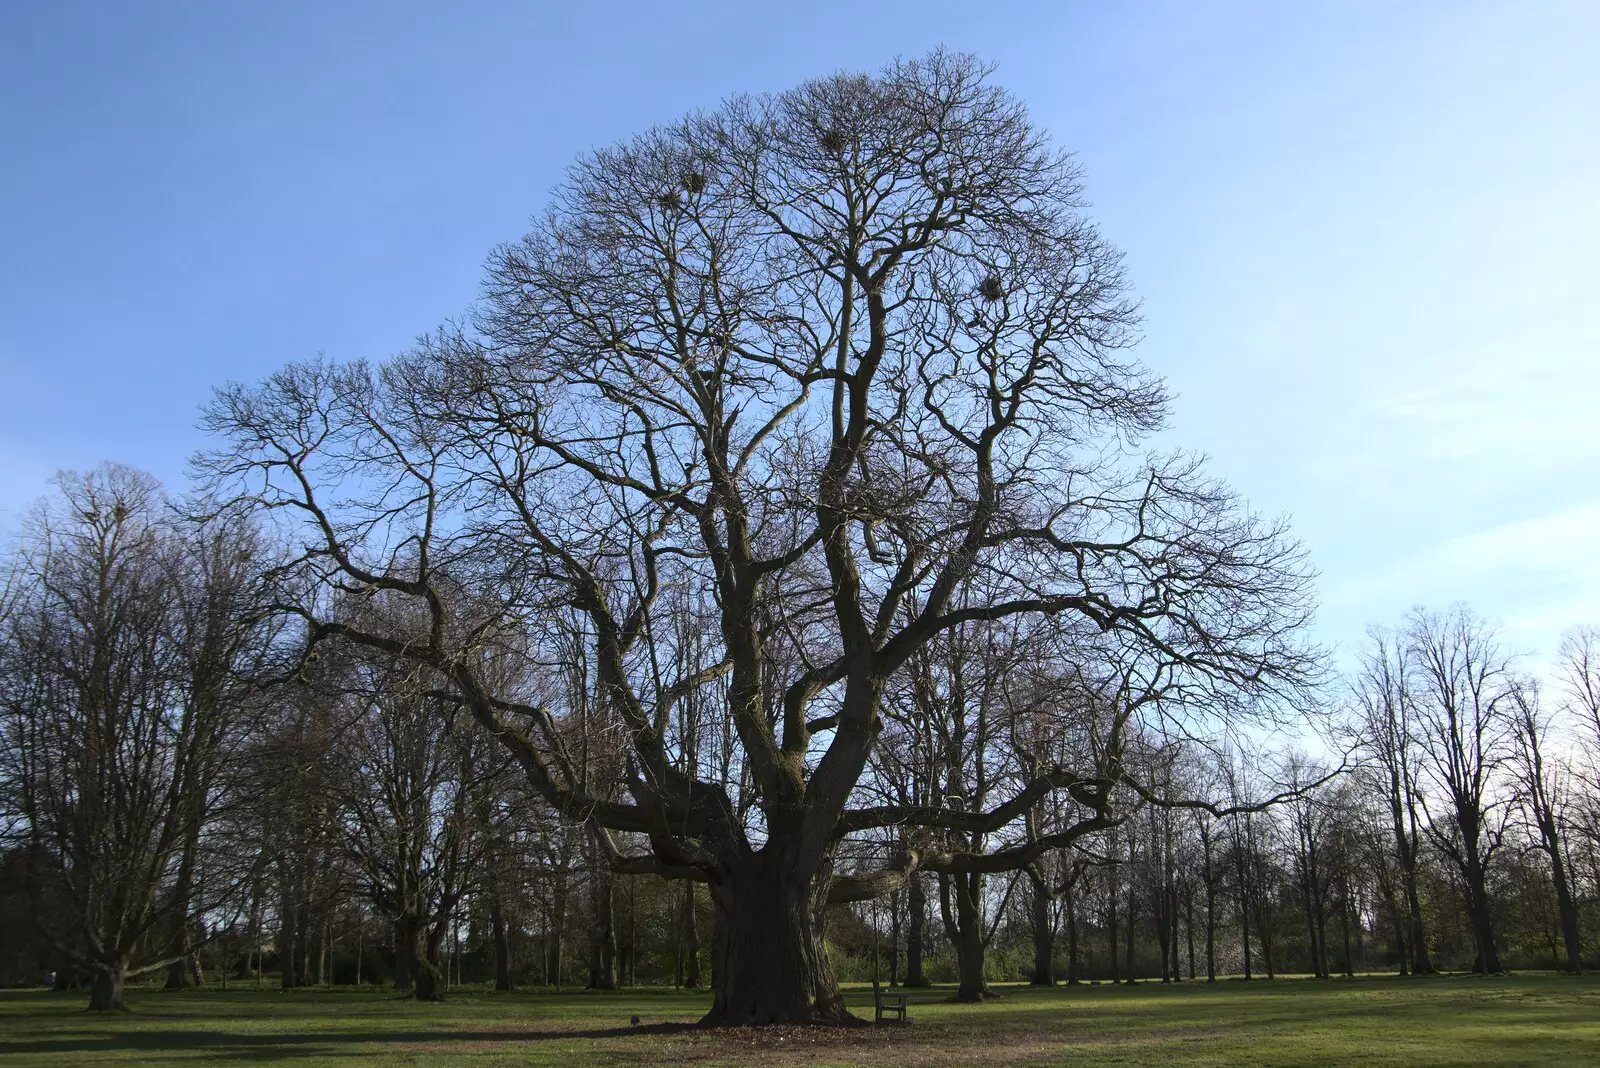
column 105, row 992
column 770, row 963
column 183, row 974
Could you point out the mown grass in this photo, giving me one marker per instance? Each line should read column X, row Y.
column 1418, row 1023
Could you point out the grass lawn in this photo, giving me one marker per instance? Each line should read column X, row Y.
column 1515, row 1020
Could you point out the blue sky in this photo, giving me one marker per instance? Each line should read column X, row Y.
column 1365, row 234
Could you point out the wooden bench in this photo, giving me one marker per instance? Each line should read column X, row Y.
column 890, row 1004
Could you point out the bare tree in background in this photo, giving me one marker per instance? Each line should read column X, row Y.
column 410, row 794
column 1390, row 740
column 1542, row 789
column 1463, row 701
column 121, row 657
column 824, row 356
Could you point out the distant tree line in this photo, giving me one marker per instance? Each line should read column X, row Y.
column 189, row 796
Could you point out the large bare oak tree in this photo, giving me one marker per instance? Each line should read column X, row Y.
column 823, row 359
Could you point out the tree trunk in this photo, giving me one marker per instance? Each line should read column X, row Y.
column 1402, row 950
column 1172, row 912
column 403, row 955
column 1211, row 932
column 1244, row 931
column 603, row 957
column 1312, row 958
column 1111, row 926
column 1131, row 925
column 502, row 945
column 311, row 973
column 426, row 985
column 409, row 960
column 1569, row 924
column 1566, row 909
column 1322, row 939
column 917, row 908
column 771, row 965
column 894, row 939
column 105, row 987
column 691, row 939
column 1344, row 922
column 1072, row 937
column 1044, row 934
column 288, row 945
column 184, row 972
column 1482, row 927
column 1264, row 929
column 557, row 925
column 969, row 937
column 631, row 972
column 428, row 971
column 1421, row 964
column 1405, row 851
column 1166, row 937
column 1188, row 921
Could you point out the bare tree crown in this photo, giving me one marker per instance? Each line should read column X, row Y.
column 847, row 365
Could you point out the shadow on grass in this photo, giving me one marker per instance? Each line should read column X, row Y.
column 257, row 1046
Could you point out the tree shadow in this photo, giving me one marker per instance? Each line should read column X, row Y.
column 241, row 1045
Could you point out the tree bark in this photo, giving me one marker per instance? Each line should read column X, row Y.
column 603, row 947
column 1166, row 935
column 1111, row 926
column 1072, row 936
column 1188, row 921
column 311, row 971
column 185, row 971
column 105, row 987
column 969, row 937
column 404, row 952
column 1405, row 851
column 502, row 945
column 771, row 965
column 428, row 971
column 288, row 945
column 1317, row 969
column 894, row 939
column 691, row 939
column 1244, row 910
column 1566, row 908
column 1132, row 925
column 916, row 929
column 1478, row 898
column 1044, row 933
column 411, row 969
column 1344, row 921
column 557, row 926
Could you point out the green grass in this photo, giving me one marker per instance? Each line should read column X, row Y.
column 1417, row 1023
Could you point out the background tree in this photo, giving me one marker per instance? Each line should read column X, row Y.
column 1541, row 789
column 1464, row 701
column 1391, row 745
column 120, row 659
